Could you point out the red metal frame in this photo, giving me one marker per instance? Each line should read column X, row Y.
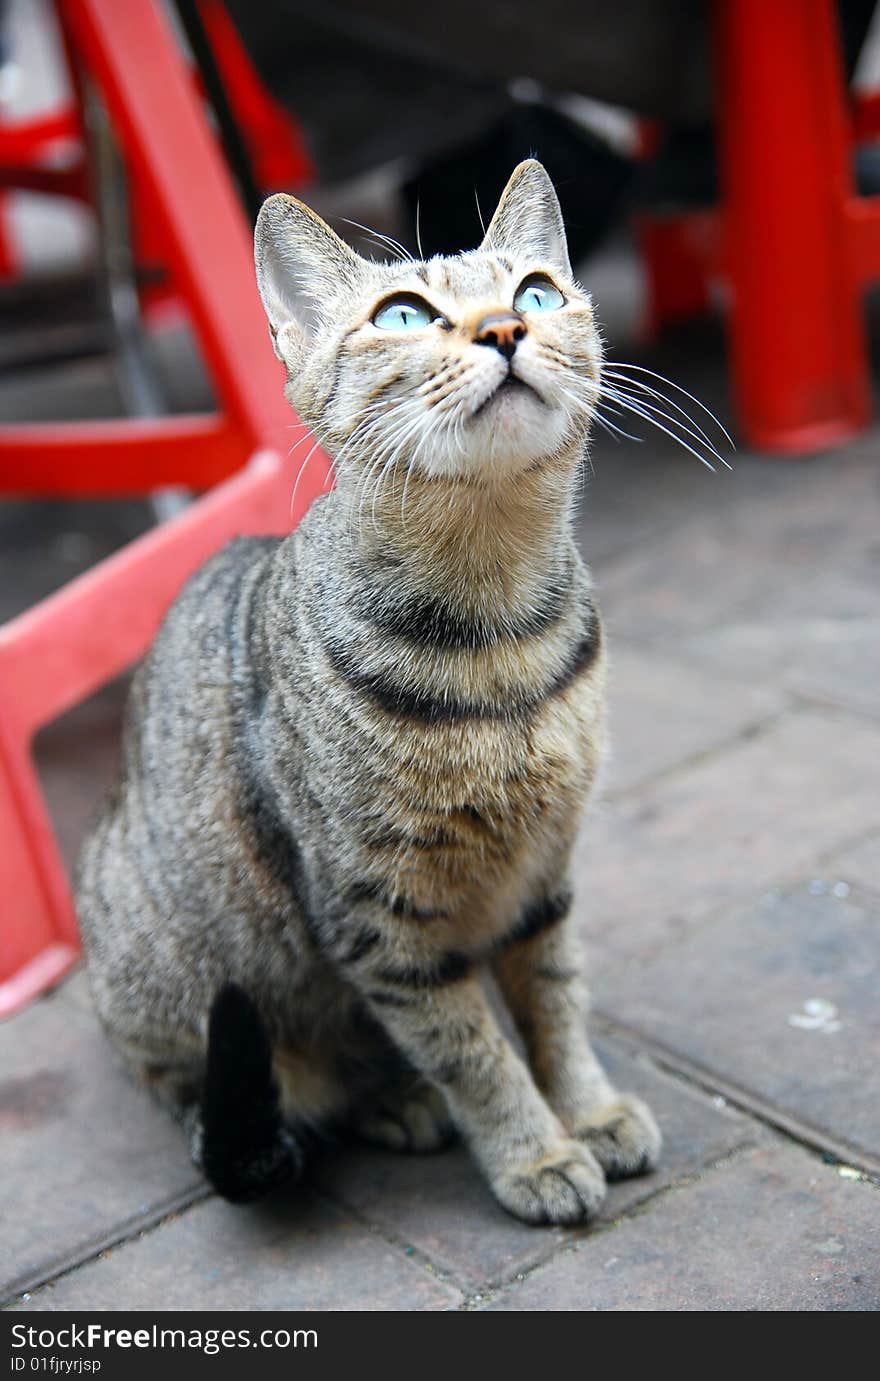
column 798, row 349
column 792, row 244
column 24, row 146
column 275, row 146
column 59, row 652
column 680, row 255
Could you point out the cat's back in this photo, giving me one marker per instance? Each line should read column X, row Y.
column 183, row 693
column 172, row 799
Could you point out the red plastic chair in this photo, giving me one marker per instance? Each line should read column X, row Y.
column 792, row 244
column 67, row 646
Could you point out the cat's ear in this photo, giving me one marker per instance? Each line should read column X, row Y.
column 527, row 220
column 302, row 268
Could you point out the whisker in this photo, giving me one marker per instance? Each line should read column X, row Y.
column 403, row 253
column 622, row 381
column 385, row 463
column 300, row 474
column 637, row 411
column 371, row 239
column 396, row 436
column 616, row 433
column 618, row 412
column 642, row 369
column 479, row 212
column 649, row 412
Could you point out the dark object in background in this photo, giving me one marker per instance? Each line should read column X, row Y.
column 683, row 172
column 363, row 95
column 590, row 179
column 373, row 81
column 376, row 80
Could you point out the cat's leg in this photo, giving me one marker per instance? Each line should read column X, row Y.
column 408, row 1114
column 439, row 1017
column 176, row 1086
column 540, row 975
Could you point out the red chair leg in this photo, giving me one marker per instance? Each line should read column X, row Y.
column 276, row 147
column 678, row 253
column 8, row 257
column 62, row 650
column 38, row 936
column 132, row 52
column 798, row 349
column 67, row 646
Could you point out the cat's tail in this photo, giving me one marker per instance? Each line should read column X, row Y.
column 246, row 1151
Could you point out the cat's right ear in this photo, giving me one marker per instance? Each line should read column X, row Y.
column 302, row 266
column 528, row 219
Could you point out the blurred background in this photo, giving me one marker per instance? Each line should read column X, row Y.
column 718, row 170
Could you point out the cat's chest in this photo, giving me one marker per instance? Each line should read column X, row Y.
column 478, row 812
column 501, row 763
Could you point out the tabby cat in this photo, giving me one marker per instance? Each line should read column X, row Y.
column 355, row 759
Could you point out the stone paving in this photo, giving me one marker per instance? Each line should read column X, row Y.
column 729, row 889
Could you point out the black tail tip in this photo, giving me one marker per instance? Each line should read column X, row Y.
column 243, row 1174
column 246, row 1150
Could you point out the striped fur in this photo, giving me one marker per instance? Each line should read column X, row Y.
column 356, row 759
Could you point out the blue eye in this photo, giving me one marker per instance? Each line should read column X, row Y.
column 538, row 295
column 404, row 315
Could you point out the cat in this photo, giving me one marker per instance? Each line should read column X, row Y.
column 355, row 759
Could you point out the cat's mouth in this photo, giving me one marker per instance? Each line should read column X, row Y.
column 510, row 384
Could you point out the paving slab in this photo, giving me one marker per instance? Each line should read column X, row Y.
column 800, row 538
column 632, row 497
column 679, row 583
column 774, row 1229
column 299, row 1252
column 810, row 554
column 439, row 1204
column 725, row 829
column 860, row 864
column 815, row 646
column 83, row 1150
column 663, row 710
column 636, row 495
column 779, row 999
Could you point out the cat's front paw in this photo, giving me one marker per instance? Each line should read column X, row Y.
column 623, row 1136
column 565, row 1186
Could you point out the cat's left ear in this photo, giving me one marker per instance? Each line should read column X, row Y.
column 303, row 267
column 527, row 220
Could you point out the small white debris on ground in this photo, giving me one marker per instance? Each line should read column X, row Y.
column 818, row 1015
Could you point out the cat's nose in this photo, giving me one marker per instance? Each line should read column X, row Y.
column 501, row 330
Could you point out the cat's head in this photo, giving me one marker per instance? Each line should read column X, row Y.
column 476, row 365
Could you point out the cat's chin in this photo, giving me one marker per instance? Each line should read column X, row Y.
column 510, row 393
column 512, row 433
column 493, row 458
